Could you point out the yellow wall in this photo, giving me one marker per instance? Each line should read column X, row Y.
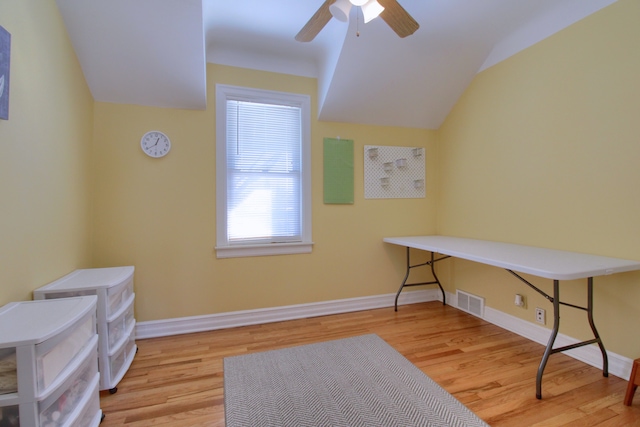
column 159, row 214
column 543, row 150
column 45, row 154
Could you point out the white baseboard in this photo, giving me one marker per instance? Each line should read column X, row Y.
column 619, row 366
column 185, row 325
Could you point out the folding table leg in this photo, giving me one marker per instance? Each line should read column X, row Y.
column 552, row 338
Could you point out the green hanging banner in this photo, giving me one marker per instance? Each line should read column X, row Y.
column 338, row 171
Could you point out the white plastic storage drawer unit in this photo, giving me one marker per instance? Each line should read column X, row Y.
column 116, row 321
column 49, row 363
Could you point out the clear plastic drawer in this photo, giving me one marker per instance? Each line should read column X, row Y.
column 50, row 361
column 10, row 415
column 118, row 295
column 119, row 360
column 91, row 414
column 69, row 294
column 118, row 328
column 58, row 411
column 8, row 371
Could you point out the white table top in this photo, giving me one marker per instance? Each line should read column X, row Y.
column 90, row 279
column 33, row 322
column 547, row 263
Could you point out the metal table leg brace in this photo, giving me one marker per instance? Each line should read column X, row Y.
column 433, row 272
column 556, row 326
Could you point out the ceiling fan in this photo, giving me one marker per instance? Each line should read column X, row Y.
column 389, row 10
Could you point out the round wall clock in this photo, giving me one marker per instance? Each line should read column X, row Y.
column 155, row 144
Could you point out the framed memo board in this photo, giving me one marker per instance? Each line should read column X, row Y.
column 5, row 56
column 392, row 172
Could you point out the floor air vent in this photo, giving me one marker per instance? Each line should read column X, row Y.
column 470, row 303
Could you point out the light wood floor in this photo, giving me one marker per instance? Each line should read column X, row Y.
column 178, row 381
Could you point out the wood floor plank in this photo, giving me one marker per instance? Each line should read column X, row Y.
column 178, row 380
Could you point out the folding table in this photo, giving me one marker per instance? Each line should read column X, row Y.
column 547, row 263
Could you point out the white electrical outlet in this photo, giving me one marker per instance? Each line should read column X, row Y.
column 540, row 315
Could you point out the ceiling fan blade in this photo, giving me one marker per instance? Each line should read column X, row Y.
column 316, row 23
column 397, row 18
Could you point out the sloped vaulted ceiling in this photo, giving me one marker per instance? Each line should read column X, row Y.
column 154, row 52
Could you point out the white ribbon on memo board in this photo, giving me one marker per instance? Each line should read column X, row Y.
column 394, row 172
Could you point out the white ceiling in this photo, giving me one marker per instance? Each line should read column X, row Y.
column 154, row 52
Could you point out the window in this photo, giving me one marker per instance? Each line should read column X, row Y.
column 263, row 172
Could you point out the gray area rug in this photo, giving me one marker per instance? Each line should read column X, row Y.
column 359, row 381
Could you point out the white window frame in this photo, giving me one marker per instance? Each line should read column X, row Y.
column 225, row 249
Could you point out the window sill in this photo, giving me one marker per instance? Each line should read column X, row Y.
column 263, row 250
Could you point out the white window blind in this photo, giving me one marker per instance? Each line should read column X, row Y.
column 263, row 172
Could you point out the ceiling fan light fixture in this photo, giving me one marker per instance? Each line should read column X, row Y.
column 340, row 10
column 390, row 11
column 371, row 9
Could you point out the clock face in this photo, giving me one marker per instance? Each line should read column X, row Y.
column 155, row 144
